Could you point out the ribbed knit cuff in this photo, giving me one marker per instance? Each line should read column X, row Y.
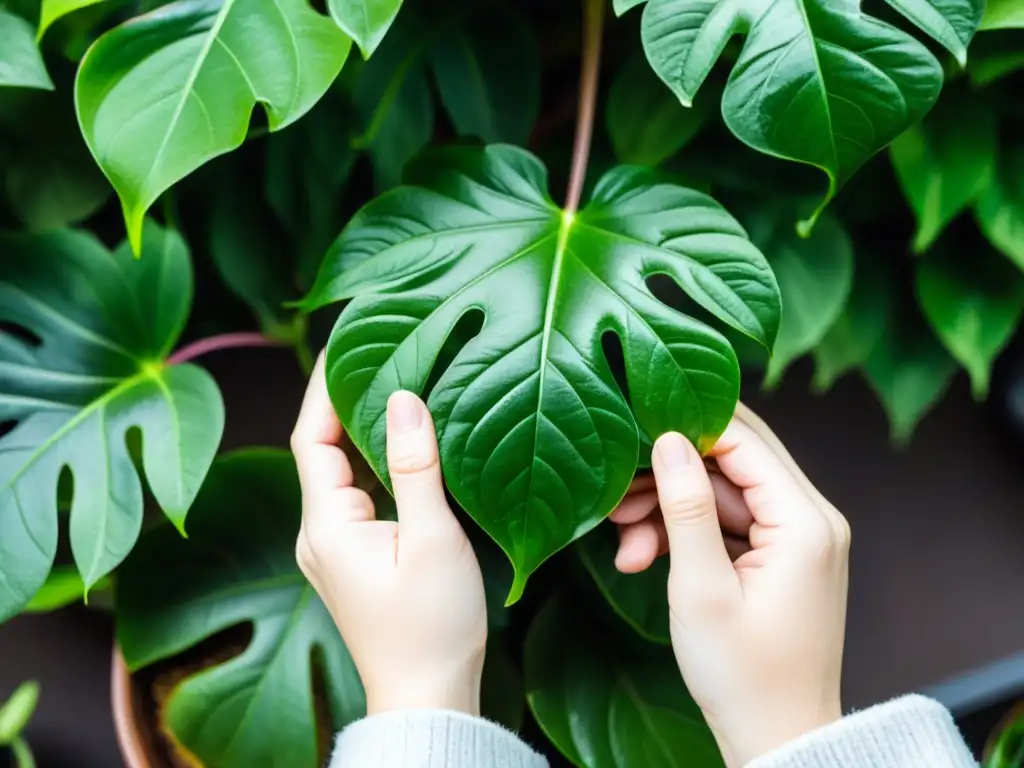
column 431, row 739
column 909, row 732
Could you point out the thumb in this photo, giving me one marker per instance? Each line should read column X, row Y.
column 415, row 466
column 701, row 568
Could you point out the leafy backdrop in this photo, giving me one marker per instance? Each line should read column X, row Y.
column 568, row 227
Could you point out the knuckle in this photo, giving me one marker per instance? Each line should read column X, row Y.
column 412, row 459
column 691, row 506
column 295, row 441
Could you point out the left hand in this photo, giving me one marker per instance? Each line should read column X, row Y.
column 408, row 597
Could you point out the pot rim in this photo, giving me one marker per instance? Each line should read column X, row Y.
column 127, row 722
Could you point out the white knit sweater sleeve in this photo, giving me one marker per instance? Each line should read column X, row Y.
column 910, row 732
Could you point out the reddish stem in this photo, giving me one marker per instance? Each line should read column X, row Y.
column 222, row 341
column 590, row 64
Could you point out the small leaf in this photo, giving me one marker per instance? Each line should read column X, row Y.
column 52, row 10
column 21, row 63
column 815, row 275
column 1000, row 210
column 63, row 587
column 212, row 61
column 974, row 304
column 488, row 72
column 1003, row 14
column 96, row 373
column 639, row 599
column 365, row 21
column 238, row 567
column 818, row 82
column 604, row 706
column 945, row 163
column 853, row 336
column 537, row 442
column 646, row 122
column 952, row 23
column 17, row 711
column 909, row 371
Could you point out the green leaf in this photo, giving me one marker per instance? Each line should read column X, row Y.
column 606, row 707
column 974, row 303
column 105, row 322
column 1000, row 210
column 945, row 163
column 992, row 63
column 1003, row 14
column 52, row 10
column 1005, row 747
column 212, row 61
column 646, row 122
column 17, row 711
column 538, row 443
column 815, row 276
column 502, row 697
column 639, row 599
column 818, row 82
column 392, row 96
column 621, row 6
column 488, row 72
column 909, row 371
column 854, row 335
column 365, row 21
column 22, row 754
column 21, row 63
column 952, row 23
column 63, row 587
column 238, row 567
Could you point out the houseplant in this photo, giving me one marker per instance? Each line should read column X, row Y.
column 619, row 312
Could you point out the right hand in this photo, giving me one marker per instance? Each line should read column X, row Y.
column 759, row 641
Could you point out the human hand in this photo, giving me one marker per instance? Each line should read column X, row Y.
column 757, row 587
column 408, row 597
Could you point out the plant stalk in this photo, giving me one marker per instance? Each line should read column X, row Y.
column 222, row 341
column 590, row 64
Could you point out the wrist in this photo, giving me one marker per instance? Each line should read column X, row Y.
column 459, row 692
column 766, row 733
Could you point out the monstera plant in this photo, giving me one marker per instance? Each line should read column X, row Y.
column 567, row 227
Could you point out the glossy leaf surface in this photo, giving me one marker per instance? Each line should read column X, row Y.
column 944, row 163
column 365, row 21
column 606, row 706
column 238, row 567
column 538, row 443
column 105, row 322
column 817, row 82
column 21, row 63
column 973, row 305
column 160, row 95
column 1000, row 210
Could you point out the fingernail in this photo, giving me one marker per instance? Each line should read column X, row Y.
column 674, row 451
column 405, row 411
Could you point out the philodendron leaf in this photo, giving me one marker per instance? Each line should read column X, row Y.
column 87, row 366
column 538, row 443
column 944, row 163
column 859, row 327
column 1000, row 210
column 487, row 70
column 238, row 567
column 815, row 275
column 952, row 23
column 365, row 21
column 817, row 81
column 21, row 63
column 1003, row 14
column 646, row 122
column 909, row 371
column 53, row 10
column 640, row 599
column 608, row 707
column 974, row 305
column 163, row 93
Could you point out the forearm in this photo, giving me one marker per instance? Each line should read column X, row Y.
column 910, row 732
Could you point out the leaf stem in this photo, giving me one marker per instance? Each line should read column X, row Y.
column 590, row 64
column 222, row 341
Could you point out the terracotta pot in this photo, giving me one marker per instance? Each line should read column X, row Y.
column 126, row 701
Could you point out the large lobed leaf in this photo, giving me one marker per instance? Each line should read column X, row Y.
column 163, row 93
column 817, row 81
column 538, row 443
column 105, row 322
column 238, row 566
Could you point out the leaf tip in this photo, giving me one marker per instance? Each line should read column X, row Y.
column 517, row 588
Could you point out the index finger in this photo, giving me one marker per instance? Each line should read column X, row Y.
column 323, row 466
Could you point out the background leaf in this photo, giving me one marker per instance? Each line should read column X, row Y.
column 238, row 566
column 365, row 21
column 1003, row 14
column 21, row 64
column 214, row 60
column 17, row 711
column 950, row 22
column 1000, row 210
column 53, row 10
column 86, row 367
column 63, row 587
